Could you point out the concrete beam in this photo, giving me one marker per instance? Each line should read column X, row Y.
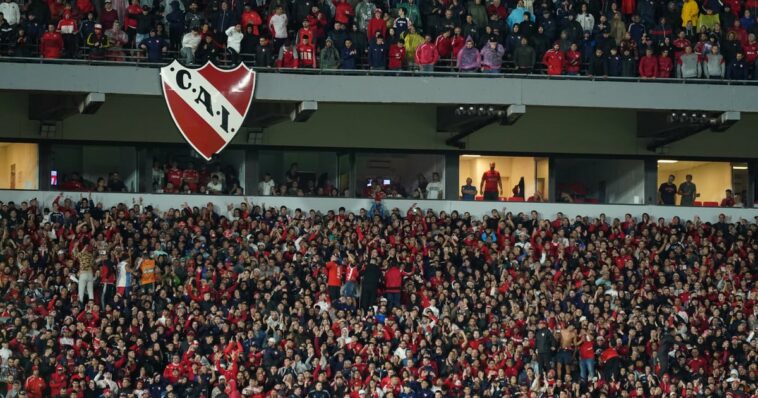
column 444, row 89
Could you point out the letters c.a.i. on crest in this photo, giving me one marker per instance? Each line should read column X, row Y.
column 208, row 104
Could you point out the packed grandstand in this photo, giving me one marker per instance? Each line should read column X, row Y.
column 710, row 39
column 261, row 301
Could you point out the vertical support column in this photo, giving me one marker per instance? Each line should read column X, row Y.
column 144, row 176
column 552, row 185
column 452, row 169
column 252, row 172
column 651, row 181
column 44, row 165
column 752, row 181
column 353, row 175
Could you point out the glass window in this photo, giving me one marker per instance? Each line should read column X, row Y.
column 619, row 181
column 420, row 176
column 298, row 173
column 175, row 169
column 521, row 178
column 19, row 166
column 695, row 183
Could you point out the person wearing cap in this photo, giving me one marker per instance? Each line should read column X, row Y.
column 98, row 42
column 35, row 385
column 377, row 25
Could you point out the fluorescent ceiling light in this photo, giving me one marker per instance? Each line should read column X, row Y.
column 739, row 167
column 471, row 156
column 668, row 161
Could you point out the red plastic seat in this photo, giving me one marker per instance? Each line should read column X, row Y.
column 479, row 198
column 697, row 203
column 592, row 200
column 711, row 204
column 516, row 199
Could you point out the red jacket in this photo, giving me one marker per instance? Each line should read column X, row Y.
column 444, row 46
column 573, row 61
column 306, row 56
column 751, row 52
column 252, row 18
column 85, row 7
column 648, row 66
column 665, row 66
column 51, row 45
column 396, row 57
column 58, row 381
column 426, row 54
column 393, row 279
column 288, row 59
column 458, row 43
column 334, row 273
column 553, row 59
column 343, row 12
column 376, row 25
column 68, row 26
column 35, row 386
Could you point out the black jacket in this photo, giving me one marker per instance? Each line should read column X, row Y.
column 264, row 56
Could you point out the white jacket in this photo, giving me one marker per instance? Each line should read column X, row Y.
column 587, row 21
column 233, row 39
column 191, row 40
column 10, row 12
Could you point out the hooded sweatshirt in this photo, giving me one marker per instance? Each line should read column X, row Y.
column 469, row 58
column 492, row 58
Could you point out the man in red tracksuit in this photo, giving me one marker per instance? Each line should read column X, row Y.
column 554, row 60
column 427, row 55
column 35, row 385
column 174, row 176
column 377, row 25
column 751, row 54
column 397, row 56
column 665, row 65
column 190, row 176
column 393, row 280
column 58, row 381
column 51, row 43
column 573, row 59
column 334, row 272
column 444, row 45
column 648, row 67
column 306, row 54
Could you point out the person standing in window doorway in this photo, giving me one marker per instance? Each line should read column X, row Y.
column 435, row 189
column 688, row 191
column 491, row 185
column 468, row 191
column 667, row 192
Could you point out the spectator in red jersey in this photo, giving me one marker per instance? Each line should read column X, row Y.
column 665, row 64
column 306, row 54
column 343, row 12
column 648, row 67
column 306, row 31
column 554, row 60
column 427, row 55
column 334, row 273
column 190, row 177
column 108, row 16
column 251, row 17
column 573, row 60
column 728, row 200
column 174, row 175
column 376, row 25
column 287, row 56
column 35, row 385
column 133, row 12
column 444, row 45
column 491, row 185
column 69, row 29
column 51, row 44
column 397, row 55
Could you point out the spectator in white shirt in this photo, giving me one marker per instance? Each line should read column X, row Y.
column 234, row 37
column 190, row 41
column 266, row 187
column 214, row 186
column 278, row 26
column 10, row 11
column 435, row 189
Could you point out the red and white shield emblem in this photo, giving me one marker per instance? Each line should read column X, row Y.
column 208, row 104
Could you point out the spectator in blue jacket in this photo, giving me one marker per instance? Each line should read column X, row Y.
column 154, row 46
column 175, row 20
column 738, row 69
column 614, row 63
column 377, row 54
column 348, row 55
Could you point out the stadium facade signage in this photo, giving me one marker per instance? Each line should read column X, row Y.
column 208, row 104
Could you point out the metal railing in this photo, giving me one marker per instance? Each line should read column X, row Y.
column 443, row 68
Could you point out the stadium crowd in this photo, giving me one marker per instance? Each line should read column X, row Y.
column 264, row 301
column 651, row 39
